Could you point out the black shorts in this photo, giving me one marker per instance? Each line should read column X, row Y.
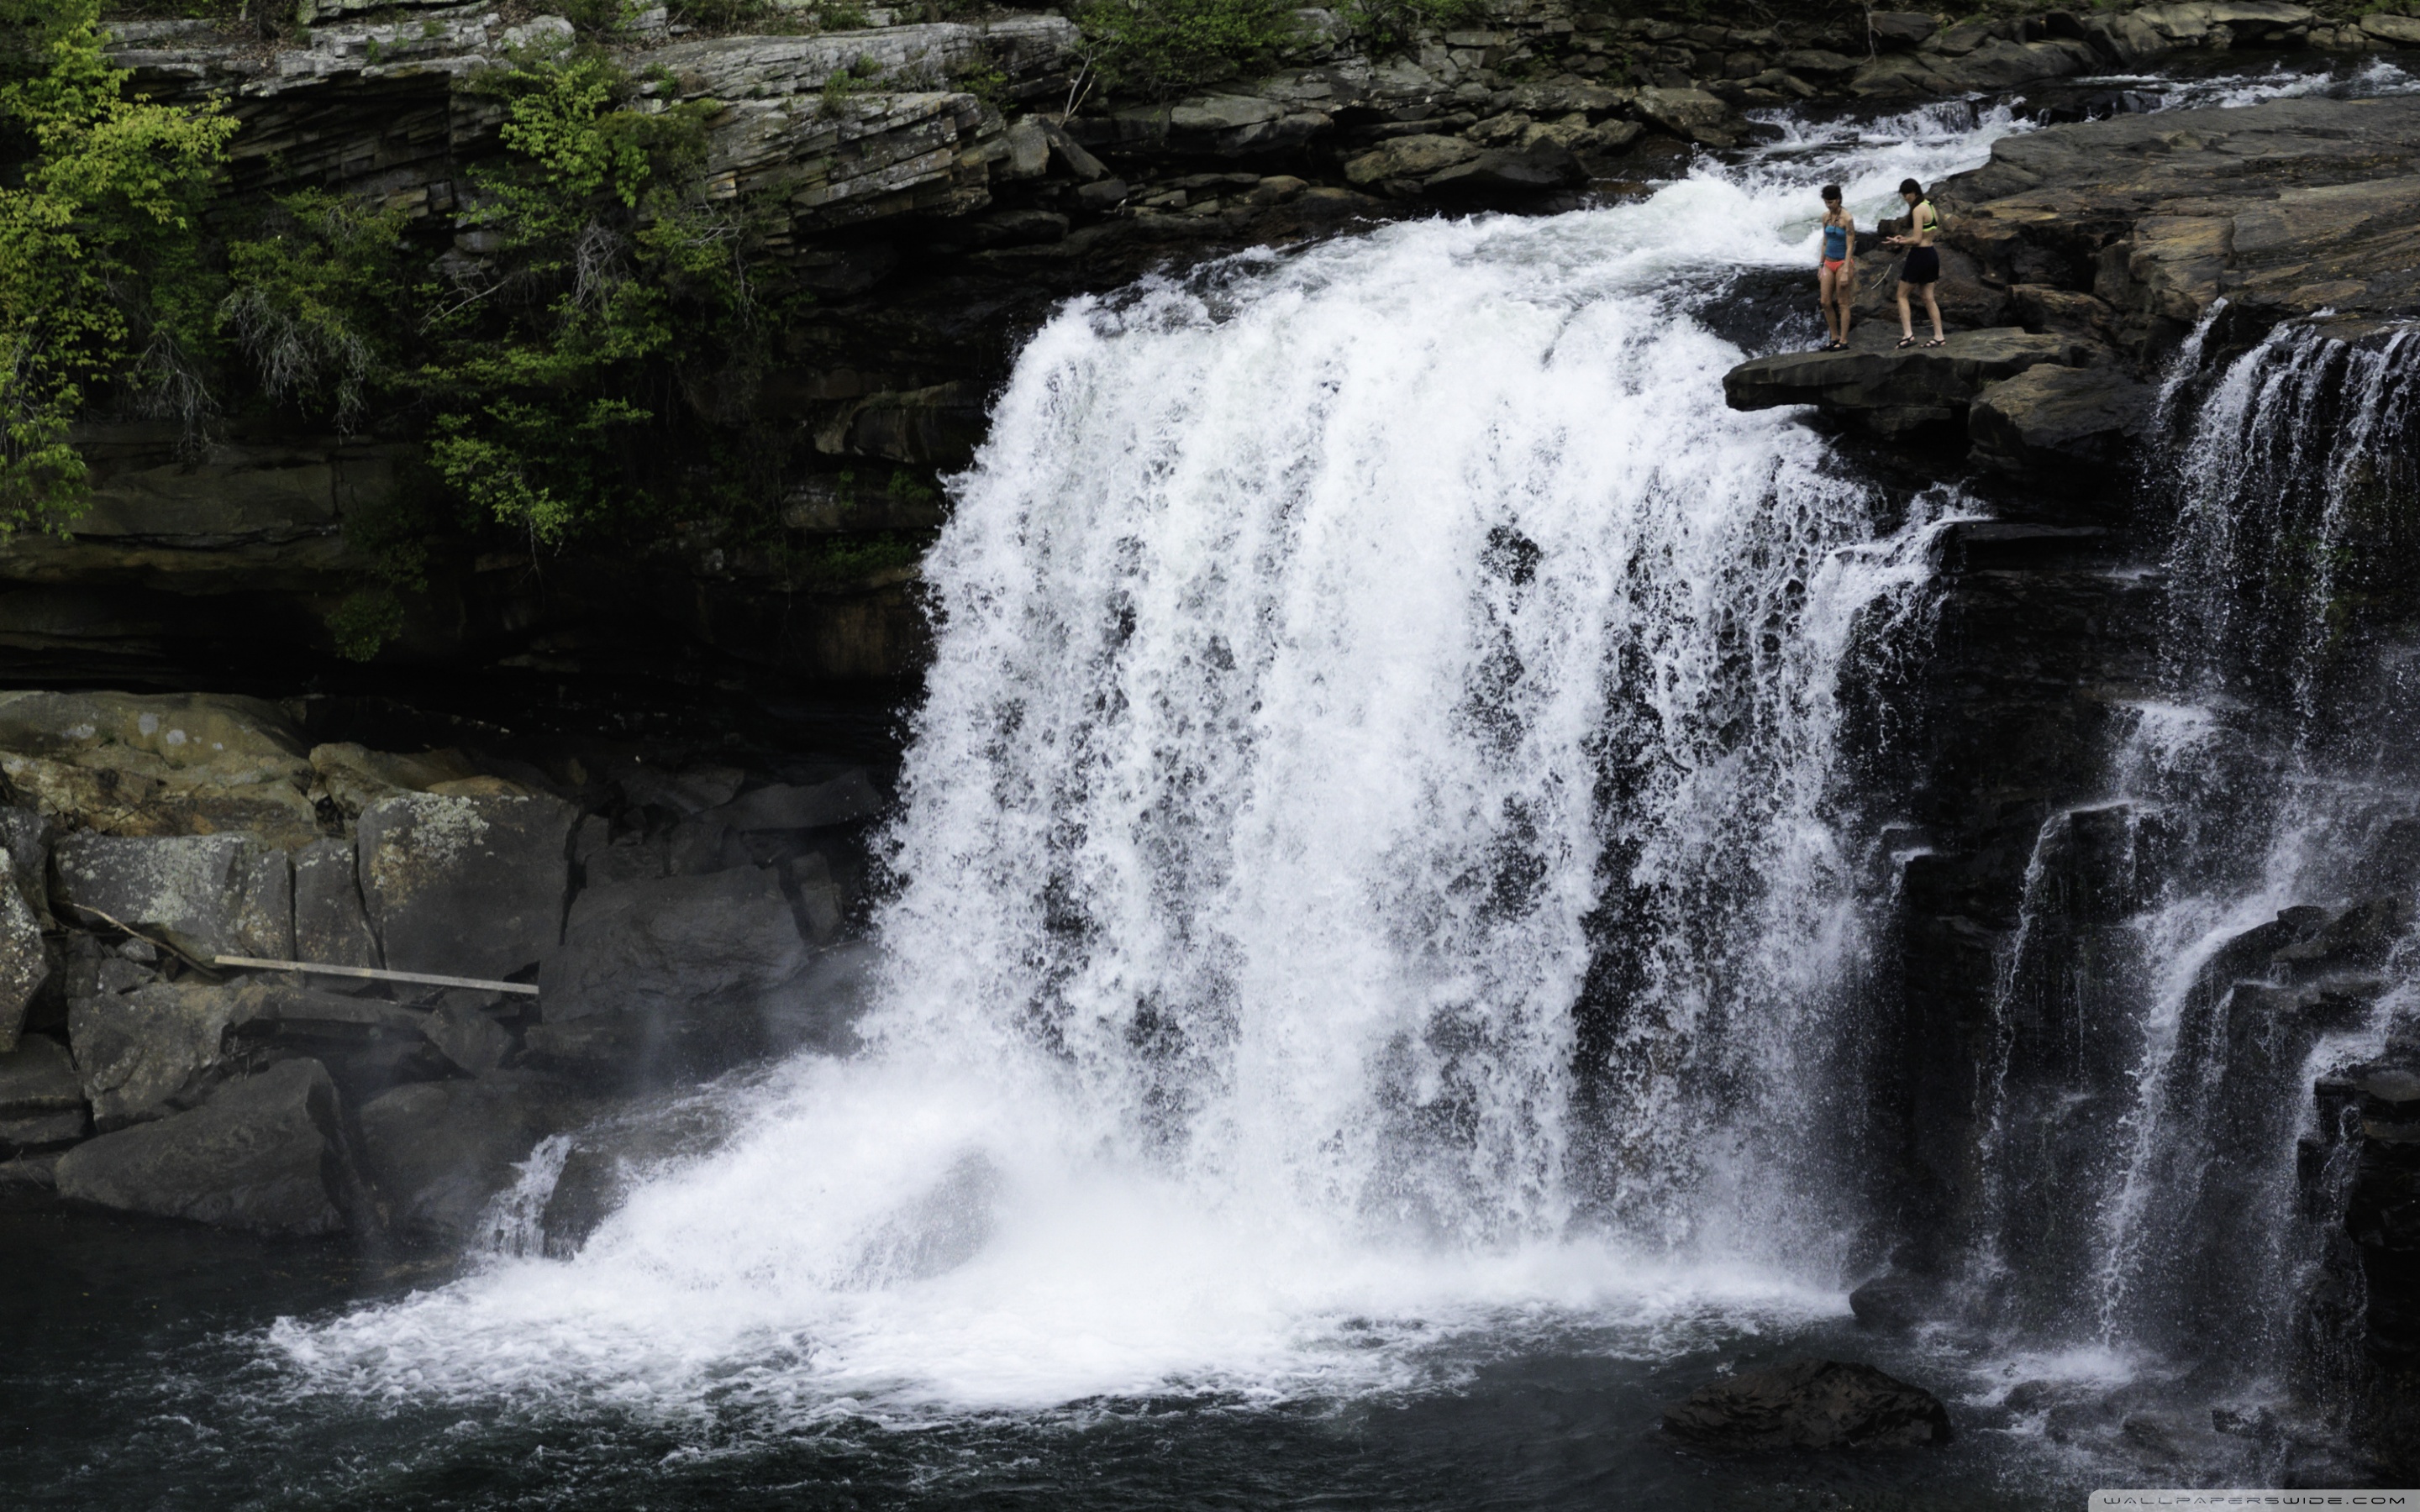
column 1923, row 265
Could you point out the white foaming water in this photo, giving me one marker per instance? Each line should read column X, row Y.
column 1344, row 660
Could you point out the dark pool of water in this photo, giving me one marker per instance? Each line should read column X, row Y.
column 131, row 1379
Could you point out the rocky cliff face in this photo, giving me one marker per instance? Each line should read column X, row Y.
column 933, row 227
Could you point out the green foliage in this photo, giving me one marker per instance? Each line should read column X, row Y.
column 308, row 290
column 847, row 560
column 1160, row 48
column 842, row 83
column 1391, row 24
column 102, row 278
column 366, row 622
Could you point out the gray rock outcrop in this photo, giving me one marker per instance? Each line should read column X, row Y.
column 681, row 972
column 207, row 895
column 1891, row 392
column 265, row 1154
column 24, row 963
column 330, row 927
column 143, row 1054
column 1811, row 1404
column 439, row 1151
column 465, row 885
column 158, row 765
column 42, row 1098
column 2050, row 416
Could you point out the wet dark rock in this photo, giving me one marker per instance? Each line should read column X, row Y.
column 26, row 834
column 1891, row 1303
column 465, row 885
column 814, row 805
column 266, row 1153
column 330, row 927
column 1891, row 392
column 42, row 1097
column 1811, row 1404
column 439, row 1151
column 1508, row 171
column 145, row 1054
column 468, row 1036
column 2050, row 418
column 1899, row 28
column 24, row 964
column 207, row 895
column 688, row 972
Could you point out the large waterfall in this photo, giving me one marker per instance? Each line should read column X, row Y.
column 1373, row 858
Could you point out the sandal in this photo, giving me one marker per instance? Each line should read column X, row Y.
column 1905, row 343
column 1938, row 341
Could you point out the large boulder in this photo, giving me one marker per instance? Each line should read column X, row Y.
column 185, row 763
column 1691, row 114
column 1892, row 391
column 266, row 1153
column 330, row 927
column 1542, row 165
column 439, row 1151
column 207, row 895
column 24, row 963
column 465, row 885
column 27, row 833
column 356, row 777
column 1811, row 1404
column 680, row 972
column 143, row 1054
column 1408, row 157
column 849, row 796
column 2050, row 417
column 42, row 1098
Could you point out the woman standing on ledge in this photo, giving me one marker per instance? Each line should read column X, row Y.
column 1835, row 281
column 1922, row 269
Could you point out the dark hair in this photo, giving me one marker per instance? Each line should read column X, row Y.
column 1909, row 186
column 1831, row 191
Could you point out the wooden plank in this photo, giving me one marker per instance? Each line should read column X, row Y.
column 425, row 979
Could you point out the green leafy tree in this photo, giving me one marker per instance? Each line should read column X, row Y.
column 1160, row 48
column 101, row 276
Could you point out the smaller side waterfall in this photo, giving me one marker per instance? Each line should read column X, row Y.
column 2247, row 923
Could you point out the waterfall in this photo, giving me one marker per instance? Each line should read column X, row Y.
column 2265, row 801
column 1374, row 860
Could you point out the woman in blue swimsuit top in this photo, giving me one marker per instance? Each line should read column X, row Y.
column 1835, row 281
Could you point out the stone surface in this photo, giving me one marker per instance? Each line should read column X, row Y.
column 690, row 971
column 266, row 1153
column 2285, row 207
column 813, row 806
column 42, row 1098
column 1811, row 1404
column 166, row 764
column 1409, row 157
column 1896, row 390
column 23, row 964
column 439, row 1151
column 469, row 1038
column 207, row 895
column 25, row 834
column 330, row 927
column 145, row 1053
column 470, row 886
column 2050, row 416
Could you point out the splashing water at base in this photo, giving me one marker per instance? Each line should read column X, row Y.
column 1371, row 861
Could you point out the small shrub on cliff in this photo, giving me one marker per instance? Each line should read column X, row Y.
column 102, row 277
column 1160, row 48
column 313, row 297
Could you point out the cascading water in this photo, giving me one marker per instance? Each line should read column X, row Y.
column 1373, row 858
column 2249, row 909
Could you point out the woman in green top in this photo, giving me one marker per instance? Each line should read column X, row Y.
column 1922, row 269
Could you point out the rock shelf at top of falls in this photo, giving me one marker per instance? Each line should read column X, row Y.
column 2099, row 246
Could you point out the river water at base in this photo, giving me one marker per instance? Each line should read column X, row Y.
column 1340, row 648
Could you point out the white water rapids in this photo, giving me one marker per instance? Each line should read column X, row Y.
column 1335, row 650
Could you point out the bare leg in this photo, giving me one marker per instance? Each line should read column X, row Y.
column 1933, row 308
column 1906, row 316
column 1826, row 282
column 1844, row 295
